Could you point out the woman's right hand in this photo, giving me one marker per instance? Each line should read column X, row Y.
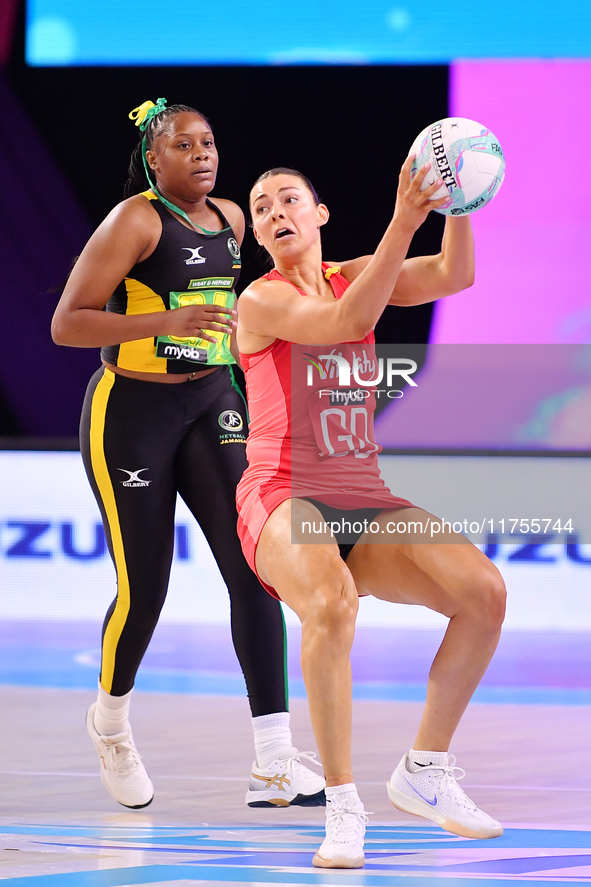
column 413, row 205
column 192, row 321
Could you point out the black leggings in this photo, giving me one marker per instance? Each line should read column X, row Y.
column 142, row 442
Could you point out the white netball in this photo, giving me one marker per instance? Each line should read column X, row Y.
column 469, row 159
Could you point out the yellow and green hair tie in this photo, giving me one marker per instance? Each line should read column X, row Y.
column 146, row 111
column 142, row 115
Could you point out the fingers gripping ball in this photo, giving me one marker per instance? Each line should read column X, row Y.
column 469, row 159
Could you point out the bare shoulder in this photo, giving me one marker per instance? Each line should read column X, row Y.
column 264, row 292
column 228, row 207
column 130, row 233
column 233, row 213
column 133, row 213
column 352, row 268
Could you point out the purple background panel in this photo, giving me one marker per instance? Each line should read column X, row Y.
column 532, row 282
column 43, row 230
column 495, row 396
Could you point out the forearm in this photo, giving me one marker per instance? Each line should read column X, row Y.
column 428, row 278
column 93, row 328
column 457, row 254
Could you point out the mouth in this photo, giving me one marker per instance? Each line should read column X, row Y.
column 283, row 232
column 201, row 171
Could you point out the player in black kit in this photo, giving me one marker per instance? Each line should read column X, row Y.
column 154, row 289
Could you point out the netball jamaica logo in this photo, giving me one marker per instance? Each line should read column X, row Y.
column 230, row 420
column 233, row 425
column 234, row 250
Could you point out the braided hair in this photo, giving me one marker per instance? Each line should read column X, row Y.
column 137, row 179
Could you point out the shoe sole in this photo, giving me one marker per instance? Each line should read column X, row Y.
column 339, row 862
column 91, row 730
column 254, row 799
column 409, row 805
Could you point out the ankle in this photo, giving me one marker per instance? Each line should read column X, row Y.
column 111, row 714
column 272, row 738
column 344, row 794
column 418, row 758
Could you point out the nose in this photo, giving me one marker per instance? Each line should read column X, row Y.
column 277, row 211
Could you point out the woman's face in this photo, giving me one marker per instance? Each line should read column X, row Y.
column 184, row 157
column 286, row 218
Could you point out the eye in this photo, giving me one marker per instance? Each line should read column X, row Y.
column 208, row 143
column 183, row 145
column 261, row 208
column 291, row 199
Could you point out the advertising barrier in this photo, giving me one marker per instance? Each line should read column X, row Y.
column 54, row 563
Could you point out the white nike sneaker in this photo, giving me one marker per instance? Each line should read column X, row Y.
column 433, row 792
column 345, row 830
column 286, row 783
column 122, row 772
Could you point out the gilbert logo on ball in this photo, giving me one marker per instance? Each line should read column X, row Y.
column 469, row 159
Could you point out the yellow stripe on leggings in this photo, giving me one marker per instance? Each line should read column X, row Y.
column 101, row 474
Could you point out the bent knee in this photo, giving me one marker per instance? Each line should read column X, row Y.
column 333, row 605
column 489, row 602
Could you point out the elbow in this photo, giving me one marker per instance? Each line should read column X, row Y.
column 56, row 334
column 466, row 283
column 59, row 332
column 468, row 274
column 462, row 281
column 355, row 332
column 469, row 278
column 364, row 331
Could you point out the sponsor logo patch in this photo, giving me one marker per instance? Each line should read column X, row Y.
column 230, row 420
column 194, row 258
column 134, row 479
column 233, row 247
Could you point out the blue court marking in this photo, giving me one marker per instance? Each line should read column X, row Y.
column 69, row 675
column 397, row 856
column 301, row 859
column 545, row 668
column 255, row 837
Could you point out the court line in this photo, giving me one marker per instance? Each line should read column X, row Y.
column 472, row 785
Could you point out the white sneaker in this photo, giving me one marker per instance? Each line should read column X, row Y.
column 122, row 772
column 433, row 792
column 286, row 783
column 345, row 830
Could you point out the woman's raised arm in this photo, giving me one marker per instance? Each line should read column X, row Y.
column 275, row 310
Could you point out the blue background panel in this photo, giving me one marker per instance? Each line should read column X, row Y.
column 111, row 32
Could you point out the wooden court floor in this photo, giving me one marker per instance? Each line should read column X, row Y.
column 526, row 766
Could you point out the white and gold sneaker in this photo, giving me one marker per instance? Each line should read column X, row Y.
column 286, row 783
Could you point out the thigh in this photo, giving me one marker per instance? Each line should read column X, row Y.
column 306, row 576
column 128, row 442
column 211, row 460
column 445, row 576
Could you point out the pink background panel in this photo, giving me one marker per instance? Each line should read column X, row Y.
column 533, row 241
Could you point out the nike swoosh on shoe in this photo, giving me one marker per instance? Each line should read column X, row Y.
column 432, row 803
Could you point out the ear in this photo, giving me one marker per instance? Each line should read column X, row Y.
column 256, row 236
column 323, row 214
column 151, row 159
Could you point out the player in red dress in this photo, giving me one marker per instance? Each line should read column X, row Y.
column 312, row 459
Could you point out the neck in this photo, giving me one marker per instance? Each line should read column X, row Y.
column 305, row 271
column 195, row 207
